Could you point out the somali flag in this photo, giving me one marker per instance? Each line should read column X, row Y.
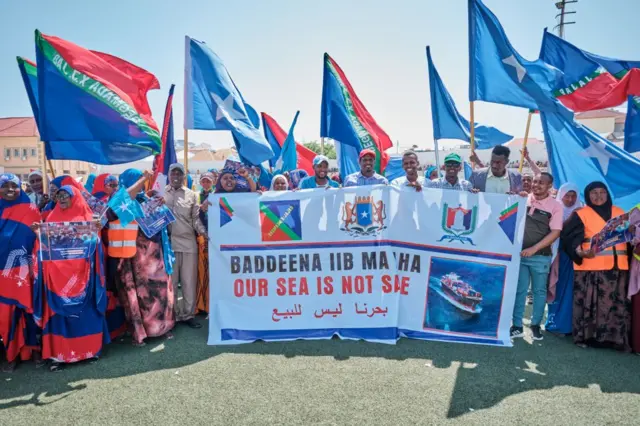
column 288, row 159
column 448, row 123
column 213, row 102
column 89, row 105
column 579, row 155
column 124, row 207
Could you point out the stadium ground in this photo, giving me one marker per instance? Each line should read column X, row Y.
column 184, row 381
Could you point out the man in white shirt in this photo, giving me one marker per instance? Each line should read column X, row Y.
column 411, row 180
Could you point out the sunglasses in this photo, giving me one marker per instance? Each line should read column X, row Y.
column 62, row 196
column 451, row 164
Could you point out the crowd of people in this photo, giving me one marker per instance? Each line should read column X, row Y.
column 64, row 311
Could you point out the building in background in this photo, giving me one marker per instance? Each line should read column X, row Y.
column 607, row 123
column 20, row 150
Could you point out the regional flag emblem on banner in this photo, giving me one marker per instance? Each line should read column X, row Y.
column 280, row 220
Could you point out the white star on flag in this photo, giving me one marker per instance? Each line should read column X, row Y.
column 89, row 355
column 520, row 70
column 598, row 150
column 226, row 108
column 364, row 215
column 124, row 207
column 73, row 353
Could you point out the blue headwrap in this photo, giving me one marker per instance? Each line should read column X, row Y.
column 128, row 178
column 429, row 171
column 9, row 177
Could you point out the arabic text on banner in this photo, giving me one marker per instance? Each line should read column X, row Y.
column 370, row 263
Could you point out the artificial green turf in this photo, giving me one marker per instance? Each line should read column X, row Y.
column 184, row 381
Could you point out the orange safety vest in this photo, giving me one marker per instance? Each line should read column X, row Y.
column 603, row 261
column 122, row 239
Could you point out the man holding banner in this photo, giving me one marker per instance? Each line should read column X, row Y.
column 367, row 174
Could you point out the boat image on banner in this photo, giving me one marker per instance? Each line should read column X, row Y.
column 465, row 301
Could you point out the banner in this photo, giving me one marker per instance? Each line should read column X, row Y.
column 372, row 263
column 156, row 217
column 615, row 231
column 68, row 240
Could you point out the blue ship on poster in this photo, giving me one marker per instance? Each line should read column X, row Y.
column 464, row 297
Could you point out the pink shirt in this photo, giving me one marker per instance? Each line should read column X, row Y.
column 550, row 205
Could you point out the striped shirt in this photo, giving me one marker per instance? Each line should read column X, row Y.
column 442, row 183
column 357, row 179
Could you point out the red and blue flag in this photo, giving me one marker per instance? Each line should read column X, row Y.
column 167, row 155
column 344, row 118
column 92, row 103
column 276, row 136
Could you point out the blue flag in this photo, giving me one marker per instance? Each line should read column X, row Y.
column 468, row 170
column 447, row 121
column 124, row 207
column 579, row 155
column 632, row 125
column 394, row 169
column 288, row 159
column 497, row 72
column 213, row 102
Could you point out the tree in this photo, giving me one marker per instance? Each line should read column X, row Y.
column 329, row 149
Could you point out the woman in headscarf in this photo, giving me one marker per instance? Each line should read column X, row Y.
column 279, row 183
column 104, row 186
column 54, row 186
column 560, row 294
column 143, row 281
column 228, row 182
column 634, row 279
column 73, row 296
column 17, row 251
column 601, row 314
column 89, row 183
column 431, row 173
column 207, row 180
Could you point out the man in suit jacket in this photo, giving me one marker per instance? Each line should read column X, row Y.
column 497, row 178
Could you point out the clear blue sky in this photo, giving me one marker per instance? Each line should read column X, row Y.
column 273, row 49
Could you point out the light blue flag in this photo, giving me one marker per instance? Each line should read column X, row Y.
column 347, row 158
column 632, row 125
column 497, row 72
column 394, row 169
column 447, row 121
column 213, row 102
column 124, row 207
column 288, row 159
column 468, row 170
column 579, row 155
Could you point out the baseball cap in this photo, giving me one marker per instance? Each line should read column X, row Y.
column 177, row 166
column 453, row 157
column 367, row 152
column 318, row 159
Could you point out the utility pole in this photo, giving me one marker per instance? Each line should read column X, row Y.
column 562, row 7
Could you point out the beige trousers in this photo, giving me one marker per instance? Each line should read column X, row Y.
column 185, row 272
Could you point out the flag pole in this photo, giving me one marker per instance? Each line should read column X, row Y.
column 524, row 144
column 53, row 170
column 186, row 154
column 435, row 143
column 322, row 145
column 473, row 131
column 43, row 163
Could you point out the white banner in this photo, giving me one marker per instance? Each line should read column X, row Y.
column 372, row 263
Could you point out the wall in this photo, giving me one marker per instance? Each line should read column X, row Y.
column 600, row 125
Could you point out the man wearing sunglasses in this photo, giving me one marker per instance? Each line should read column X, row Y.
column 452, row 167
